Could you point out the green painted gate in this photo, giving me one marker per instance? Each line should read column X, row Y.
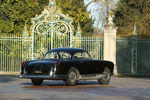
column 11, row 53
column 14, row 50
column 124, row 56
column 133, row 57
column 143, row 57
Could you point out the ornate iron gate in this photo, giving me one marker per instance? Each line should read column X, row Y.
column 51, row 29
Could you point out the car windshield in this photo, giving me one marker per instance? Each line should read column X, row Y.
column 81, row 55
column 57, row 55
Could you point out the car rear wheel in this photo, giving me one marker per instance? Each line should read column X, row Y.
column 104, row 80
column 72, row 77
column 37, row 81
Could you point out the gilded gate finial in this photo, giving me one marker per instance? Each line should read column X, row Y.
column 25, row 31
column 134, row 31
column 52, row 2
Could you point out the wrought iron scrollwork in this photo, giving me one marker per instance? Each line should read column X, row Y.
column 51, row 29
column 61, row 29
column 42, row 28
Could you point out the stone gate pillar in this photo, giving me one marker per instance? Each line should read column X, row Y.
column 110, row 42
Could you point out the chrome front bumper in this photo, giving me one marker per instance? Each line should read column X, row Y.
column 53, row 77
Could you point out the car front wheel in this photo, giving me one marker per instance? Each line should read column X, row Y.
column 104, row 80
column 72, row 77
column 37, row 81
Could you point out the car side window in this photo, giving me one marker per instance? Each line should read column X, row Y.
column 64, row 55
column 81, row 55
column 51, row 55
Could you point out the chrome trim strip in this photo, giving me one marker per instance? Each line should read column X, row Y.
column 57, row 77
column 90, row 77
column 61, row 77
column 34, row 76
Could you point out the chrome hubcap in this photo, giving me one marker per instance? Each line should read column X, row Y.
column 72, row 76
column 106, row 76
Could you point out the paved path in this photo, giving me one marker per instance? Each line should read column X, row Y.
column 12, row 88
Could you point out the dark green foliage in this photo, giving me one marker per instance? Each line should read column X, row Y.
column 14, row 13
column 133, row 12
column 77, row 10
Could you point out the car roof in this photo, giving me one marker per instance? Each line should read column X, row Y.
column 69, row 50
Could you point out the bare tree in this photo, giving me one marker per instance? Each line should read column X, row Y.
column 99, row 11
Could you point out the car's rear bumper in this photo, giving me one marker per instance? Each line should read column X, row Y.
column 53, row 77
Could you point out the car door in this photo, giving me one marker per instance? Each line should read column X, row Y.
column 86, row 65
column 89, row 65
column 79, row 62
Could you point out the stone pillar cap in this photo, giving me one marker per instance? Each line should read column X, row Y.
column 110, row 20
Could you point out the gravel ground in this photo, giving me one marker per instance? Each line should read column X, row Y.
column 12, row 88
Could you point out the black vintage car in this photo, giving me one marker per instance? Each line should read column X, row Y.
column 69, row 65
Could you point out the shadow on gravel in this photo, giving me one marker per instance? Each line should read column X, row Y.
column 26, row 83
column 62, row 85
column 7, row 78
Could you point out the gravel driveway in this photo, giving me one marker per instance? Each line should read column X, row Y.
column 12, row 88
